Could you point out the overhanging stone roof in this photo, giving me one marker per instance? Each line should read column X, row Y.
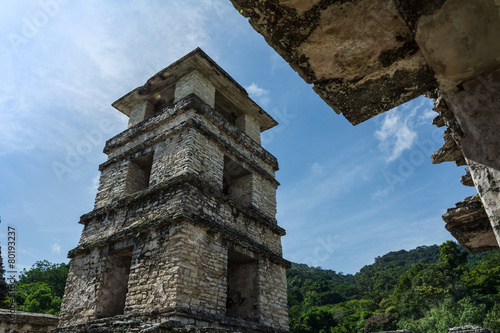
column 200, row 61
column 361, row 56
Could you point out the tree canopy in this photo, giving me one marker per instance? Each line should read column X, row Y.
column 41, row 288
column 428, row 289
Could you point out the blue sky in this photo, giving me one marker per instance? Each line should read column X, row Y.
column 347, row 194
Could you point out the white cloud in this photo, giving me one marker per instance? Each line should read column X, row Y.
column 56, row 247
column 317, row 169
column 398, row 130
column 82, row 61
column 256, row 91
column 95, row 184
column 259, row 94
column 381, row 193
column 396, row 133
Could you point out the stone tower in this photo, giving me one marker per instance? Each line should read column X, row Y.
column 183, row 233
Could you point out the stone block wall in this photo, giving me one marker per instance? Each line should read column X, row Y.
column 200, row 260
column 249, row 126
column 179, row 265
column 170, row 157
column 207, row 159
column 141, row 112
column 80, row 295
column 272, row 298
column 147, row 285
column 195, row 83
column 112, row 182
column 264, row 195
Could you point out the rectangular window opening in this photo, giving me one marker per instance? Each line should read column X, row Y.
column 115, row 284
column 241, row 286
column 226, row 108
column 139, row 173
column 237, row 182
column 162, row 100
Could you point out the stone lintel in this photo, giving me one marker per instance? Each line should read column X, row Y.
column 196, row 73
column 366, row 57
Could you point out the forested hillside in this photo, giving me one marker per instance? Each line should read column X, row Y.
column 426, row 290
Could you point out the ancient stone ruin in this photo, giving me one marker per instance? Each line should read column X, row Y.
column 26, row 322
column 469, row 329
column 183, row 235
column 461, row 329
column 365, row 57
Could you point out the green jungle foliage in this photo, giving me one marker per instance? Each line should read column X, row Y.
column 4, row 288
column 40, row 289
column 428, row 289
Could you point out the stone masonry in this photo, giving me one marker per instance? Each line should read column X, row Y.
column 183, row 235
column 26, row 322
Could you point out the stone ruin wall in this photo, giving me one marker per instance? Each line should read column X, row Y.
column 469, row 329
column 25, row 322
column 461, row 329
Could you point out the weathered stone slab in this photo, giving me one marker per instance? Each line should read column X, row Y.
column 360, row 55
column 469, row 224
column 469, row 329
column 460, row 40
